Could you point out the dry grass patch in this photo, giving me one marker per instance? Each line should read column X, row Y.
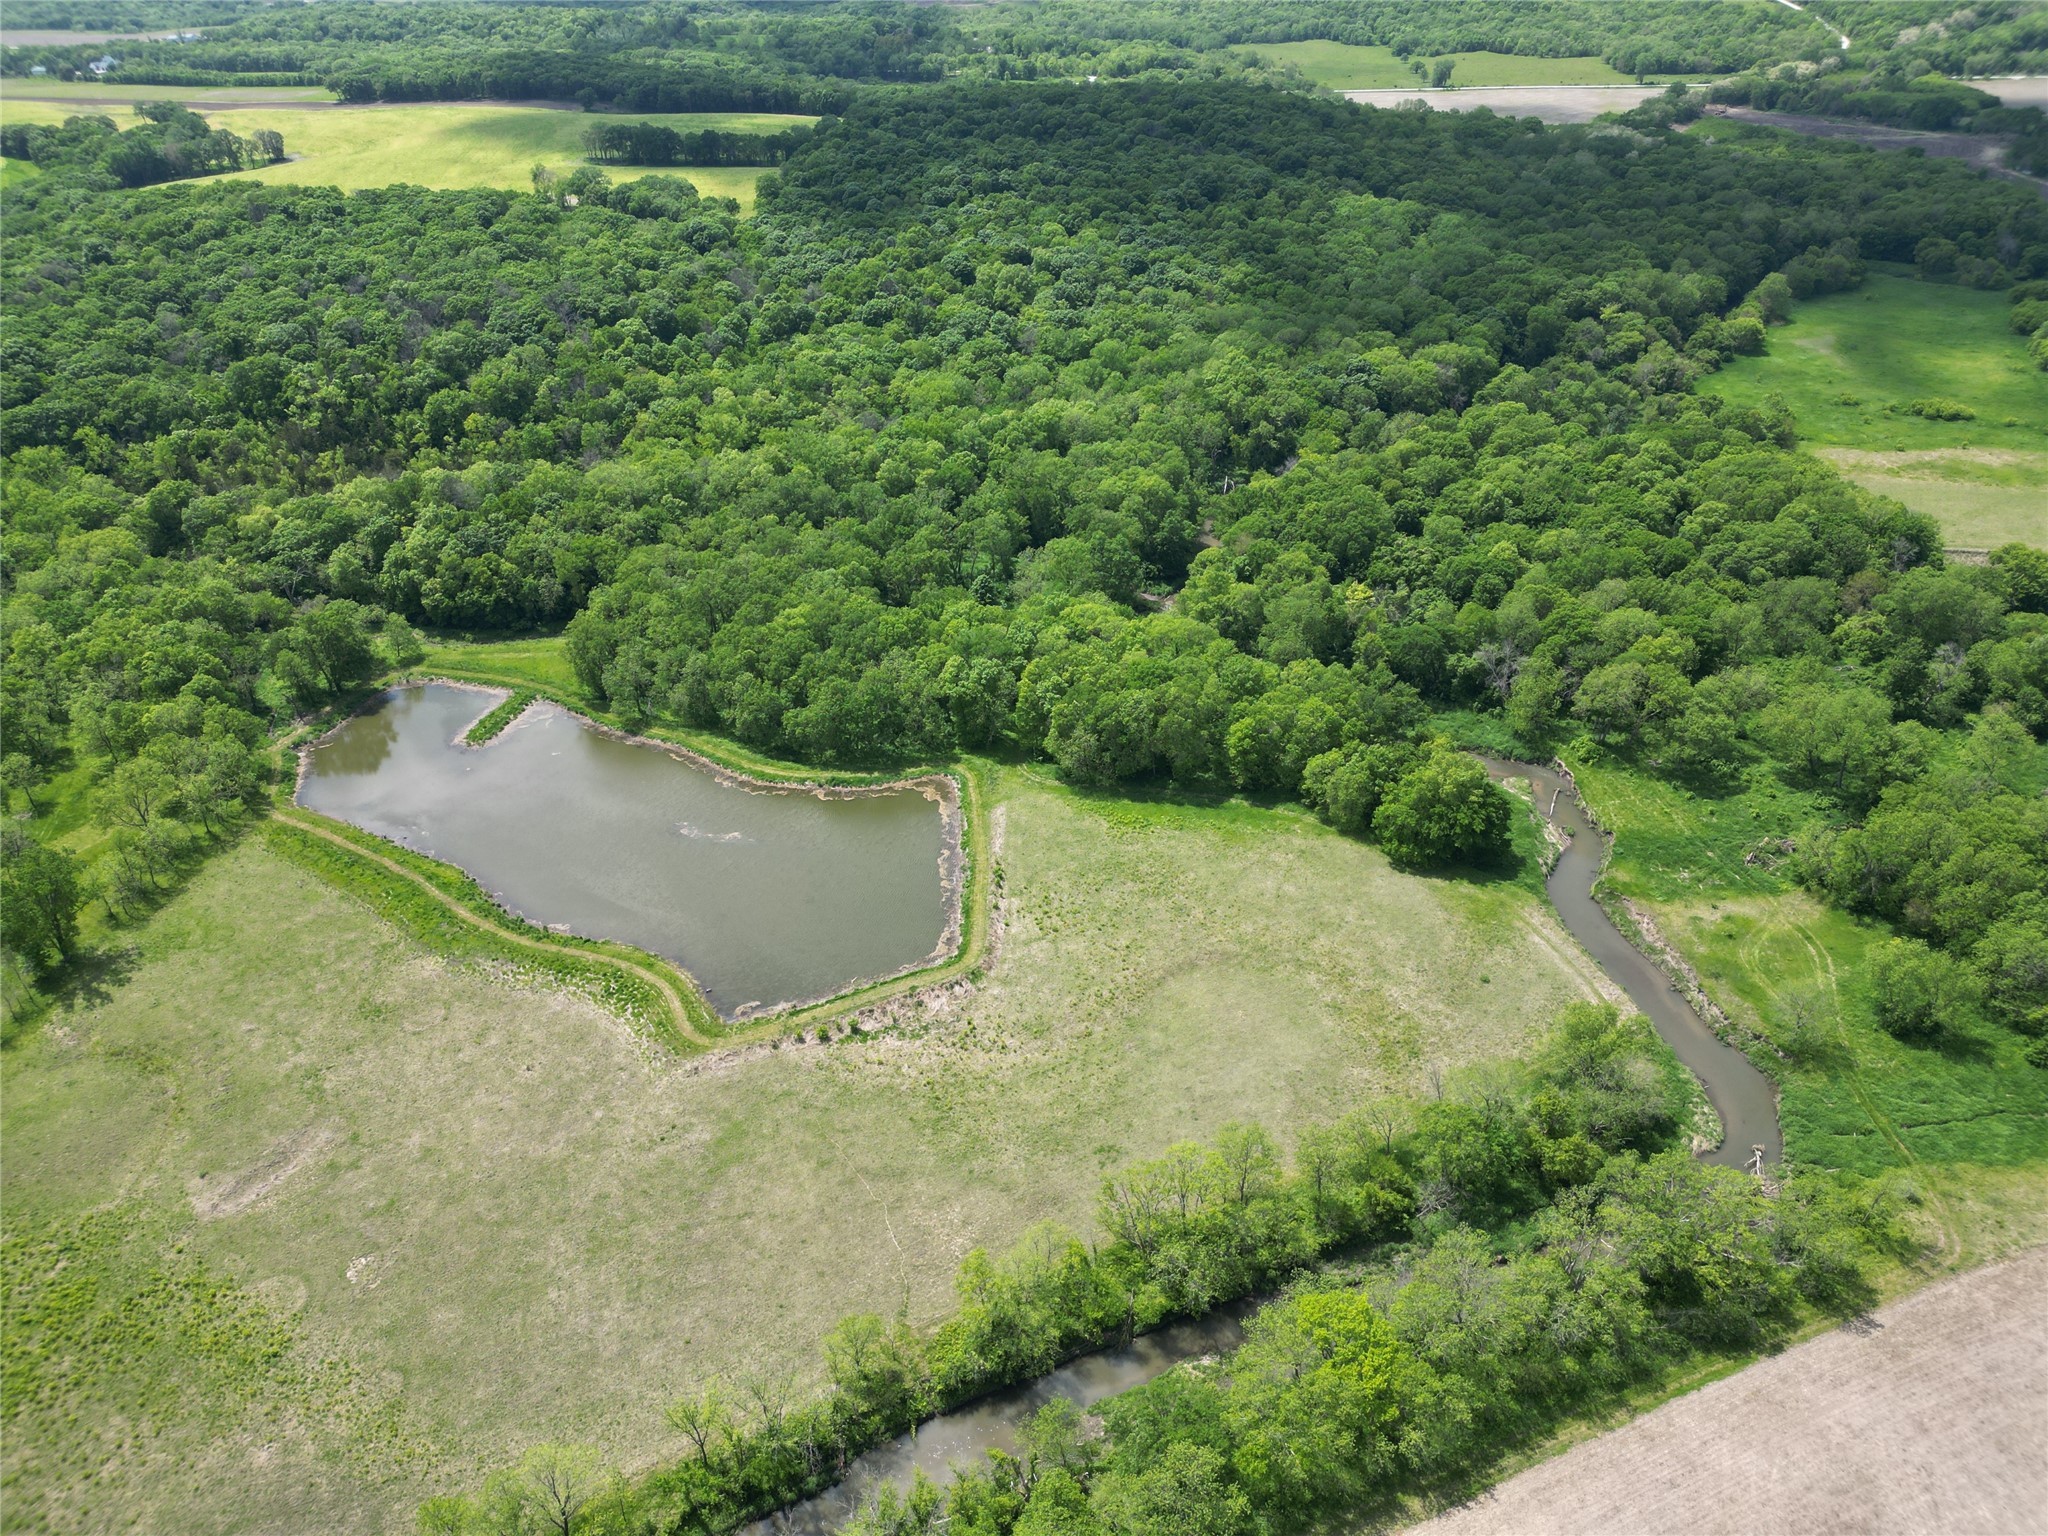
column 498, row 1201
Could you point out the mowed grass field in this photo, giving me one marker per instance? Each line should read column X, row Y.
column 446, row 144
column 110, row 98
column 1849, row 363
column 1354, row 67
column 1962, row 1129
column 342, row 1224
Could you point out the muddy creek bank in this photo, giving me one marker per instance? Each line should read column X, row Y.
column 1745, row 1099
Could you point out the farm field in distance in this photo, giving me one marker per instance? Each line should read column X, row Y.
column 1355, row 67
column 111, row 98
column 1848, row 363
column 1948, row 1382
column 1165, row 968
column 445, row 144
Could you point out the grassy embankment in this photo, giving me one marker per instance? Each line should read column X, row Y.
column 1849, row 363
column 459, row 1211
column 1963, row 1126
column 1354, row 67
column 445, row 144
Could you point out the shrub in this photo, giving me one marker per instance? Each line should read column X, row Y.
column 1936, row 408
column 1921, row 992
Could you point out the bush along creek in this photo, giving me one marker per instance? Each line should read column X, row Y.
column 1450, row 1278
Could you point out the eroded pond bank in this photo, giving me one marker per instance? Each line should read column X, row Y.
column 767, row 894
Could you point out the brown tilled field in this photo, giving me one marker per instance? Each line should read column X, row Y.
column 1931, row 1416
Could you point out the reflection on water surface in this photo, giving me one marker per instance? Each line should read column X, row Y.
column 765, row 897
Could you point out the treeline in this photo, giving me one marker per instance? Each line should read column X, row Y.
column 1534, row 1261
column 912, row 462
column 598, row 81
column 669, row 58
column 1635, row 36
column 170, row 145
column 659, row 144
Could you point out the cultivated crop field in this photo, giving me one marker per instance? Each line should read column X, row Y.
column 1925, row 1417
column 395, row 1219
column 444, row 144
column 1849, row 364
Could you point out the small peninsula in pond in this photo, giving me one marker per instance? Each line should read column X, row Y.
column 766, row 896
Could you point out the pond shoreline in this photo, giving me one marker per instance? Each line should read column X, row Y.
column 944, row 788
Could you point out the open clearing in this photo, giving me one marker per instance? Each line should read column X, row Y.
column 445, row 145
column 412, row 1216
column 1848, row 363
column 1550, row 103
column 1355, row 67
column 1926, row 1417
column 1962, row 1130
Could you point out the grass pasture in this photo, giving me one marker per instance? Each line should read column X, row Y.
column 110, row 97
column 1964, row 1126
column 387, row 1210
column 1355, row 67
column 448, row 145
column 1849, row 363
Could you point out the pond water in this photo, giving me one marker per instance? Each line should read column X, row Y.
column 766, row 895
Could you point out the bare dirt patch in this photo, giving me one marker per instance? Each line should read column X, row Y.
column 1926, row 1417
column 1931, row 460
column 239, row 1192
column 1551, row 103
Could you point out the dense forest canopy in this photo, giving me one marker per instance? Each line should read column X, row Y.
column 1188, row 429
column 891, row 470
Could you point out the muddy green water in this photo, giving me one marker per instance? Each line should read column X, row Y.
column 766, row 896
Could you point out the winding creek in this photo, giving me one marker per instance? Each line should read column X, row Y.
column 767, row 895
column 1743, row 1097
column 772, row 894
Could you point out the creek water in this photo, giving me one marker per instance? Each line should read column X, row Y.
column 1745, row 1099
column 992, row 1422
column 1742, row 1096
column 766, row 895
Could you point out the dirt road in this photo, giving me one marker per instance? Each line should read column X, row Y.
column 1930, row 1417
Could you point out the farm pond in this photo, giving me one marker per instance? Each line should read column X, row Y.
column 767, row 894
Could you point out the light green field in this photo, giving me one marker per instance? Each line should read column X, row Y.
column 412, row 1214
column 1848, row 363
column 445, row 145
column 1352, row 67
column 111, row 96
column 14, row 172
column 1964, row 1129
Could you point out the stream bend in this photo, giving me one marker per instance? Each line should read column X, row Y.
column 1744, row 1098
